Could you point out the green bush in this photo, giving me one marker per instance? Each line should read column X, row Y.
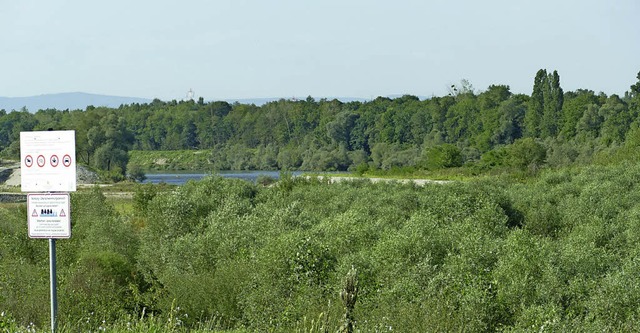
column 442, row 156
column 556, row 252
column 527, row 154
column 135, row 173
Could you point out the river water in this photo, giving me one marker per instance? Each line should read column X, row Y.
column 181, row 178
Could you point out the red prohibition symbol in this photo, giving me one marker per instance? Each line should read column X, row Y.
column 28, row 161
column 54, row 160
column 66, row 160
column 41, row 161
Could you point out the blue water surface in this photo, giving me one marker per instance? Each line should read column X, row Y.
column 181, row 178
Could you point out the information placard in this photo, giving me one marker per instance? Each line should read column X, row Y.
column 48, row 215
column 48, row 161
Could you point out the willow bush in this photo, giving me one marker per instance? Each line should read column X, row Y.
column 555, row 253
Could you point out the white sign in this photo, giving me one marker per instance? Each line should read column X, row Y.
column 48, row 161
column 48, row 215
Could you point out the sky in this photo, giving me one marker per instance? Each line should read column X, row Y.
column 226, row 49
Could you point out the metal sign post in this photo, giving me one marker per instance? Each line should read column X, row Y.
column 49, row 214
column 53, row 284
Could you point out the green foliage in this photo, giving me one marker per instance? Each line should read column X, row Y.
column 136, row 173
column 562, row 154
column 575, row 105
column 443, row 156
column 388, row 156
column 349, row 296
column 556, row 252
column 143, row 194
column 112, row 176
column 326, row 135
column 169, row 160
column 616, row 121
column 7, row 323
column 265, row 180
column 494, row 159
column 362, row 168
column 534, row 114
column 527, row 154
column 553, row 97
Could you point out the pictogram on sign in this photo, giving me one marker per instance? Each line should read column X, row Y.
column 41, row 161
column 35, row 213
column 54, row 160
column 62, row 213
column 28, row 161
column 66, row 160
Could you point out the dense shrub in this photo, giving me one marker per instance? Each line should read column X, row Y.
column 556, row 253
column 527, row 153
column 443, row 156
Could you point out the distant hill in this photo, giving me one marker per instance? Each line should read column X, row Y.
column 63, row 101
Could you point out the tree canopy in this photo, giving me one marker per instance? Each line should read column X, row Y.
column 333, row 135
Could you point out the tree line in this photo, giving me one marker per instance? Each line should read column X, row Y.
column 462, row 127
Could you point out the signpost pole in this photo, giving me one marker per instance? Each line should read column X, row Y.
column 53, row 283
column 49, row 214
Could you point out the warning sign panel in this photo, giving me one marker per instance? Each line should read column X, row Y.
column 40, row 153
column 48, row 218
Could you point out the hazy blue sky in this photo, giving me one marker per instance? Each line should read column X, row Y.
column 283, row 48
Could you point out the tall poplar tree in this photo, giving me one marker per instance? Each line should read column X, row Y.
column 553, row 100
column 634, row 94
column 533, row 116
